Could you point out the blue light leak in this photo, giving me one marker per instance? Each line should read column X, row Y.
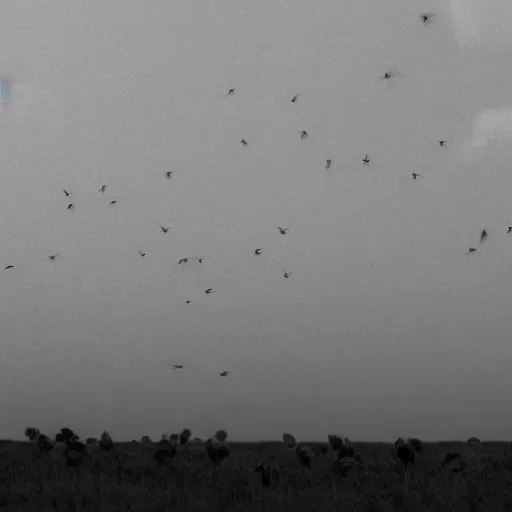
column 5, row 90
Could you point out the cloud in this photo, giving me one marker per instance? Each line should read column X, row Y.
column 482, row 22
column 491, row 125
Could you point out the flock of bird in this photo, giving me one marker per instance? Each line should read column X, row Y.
column 425, row 19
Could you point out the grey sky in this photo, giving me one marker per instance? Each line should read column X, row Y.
column 385, row 326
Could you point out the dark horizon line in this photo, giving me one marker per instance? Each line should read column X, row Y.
column 273, row 441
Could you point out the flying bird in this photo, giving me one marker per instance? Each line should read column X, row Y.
column 389, row 77
column 9, row 266
column 366, row 160
column 286, row 274
column 303, row 134
column 53, row 256
column 177, row 366
column 102, row 189
column 168, row 175
column 67, row 193
column 244, row 142
column 112, row 202
column 442, row 143
column 164, row 229
column 295, row 98
column 231, row 92
column 209, row 290
column 426, row 17
column 71, row 206
column 416, row 175
column 225, row 373
column 390, row 74
column 471, row 249
column 141, row 253
column 283, row 230
column 328, row 163
column 509, row 229
column 184, row 260
column 257, row 251
column 483, row 235
column 187, row 301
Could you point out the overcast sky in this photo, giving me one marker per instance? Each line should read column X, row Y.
column 385, row 326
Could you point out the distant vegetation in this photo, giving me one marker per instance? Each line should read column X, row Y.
column 189, row 474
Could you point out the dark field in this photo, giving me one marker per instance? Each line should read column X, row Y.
column 126, row 479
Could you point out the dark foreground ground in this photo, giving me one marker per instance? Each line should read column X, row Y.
column 126, row 479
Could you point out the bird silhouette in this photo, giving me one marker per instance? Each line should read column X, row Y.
column 390, row 74
column 102, row 189
column 509, row 229
column 483, row 235
column 53, row 256
column 286, row 274
column 209, row 290
column 389, row 77
column 295, row 98
column 141, row 253
column 328, row 163
column 442, row 143
column 67, row 193
column 244, row 142
column 225, row 373
column 231, row 92
column 304, row 134
column 9, row 266
column 426, row 17
column 283, row 230
column 187, row 301
column 257, row 251
column 164, row 229
column 471, row 249
column 416, row 175
column 71, row 206
column 177, row 366
column 112, row 202
column 168, row 175
column 366, row 160
column 184, row 260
